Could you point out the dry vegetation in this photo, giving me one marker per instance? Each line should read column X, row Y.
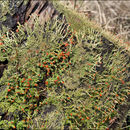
column 113, row 15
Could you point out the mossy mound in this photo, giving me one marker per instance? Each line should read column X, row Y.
column 63, row 76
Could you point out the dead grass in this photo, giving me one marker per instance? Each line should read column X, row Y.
column 111, row 15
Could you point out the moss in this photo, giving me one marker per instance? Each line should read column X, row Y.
column 76, row 80
column 79, row 22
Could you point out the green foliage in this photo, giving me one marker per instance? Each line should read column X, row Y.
column 60, row 78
